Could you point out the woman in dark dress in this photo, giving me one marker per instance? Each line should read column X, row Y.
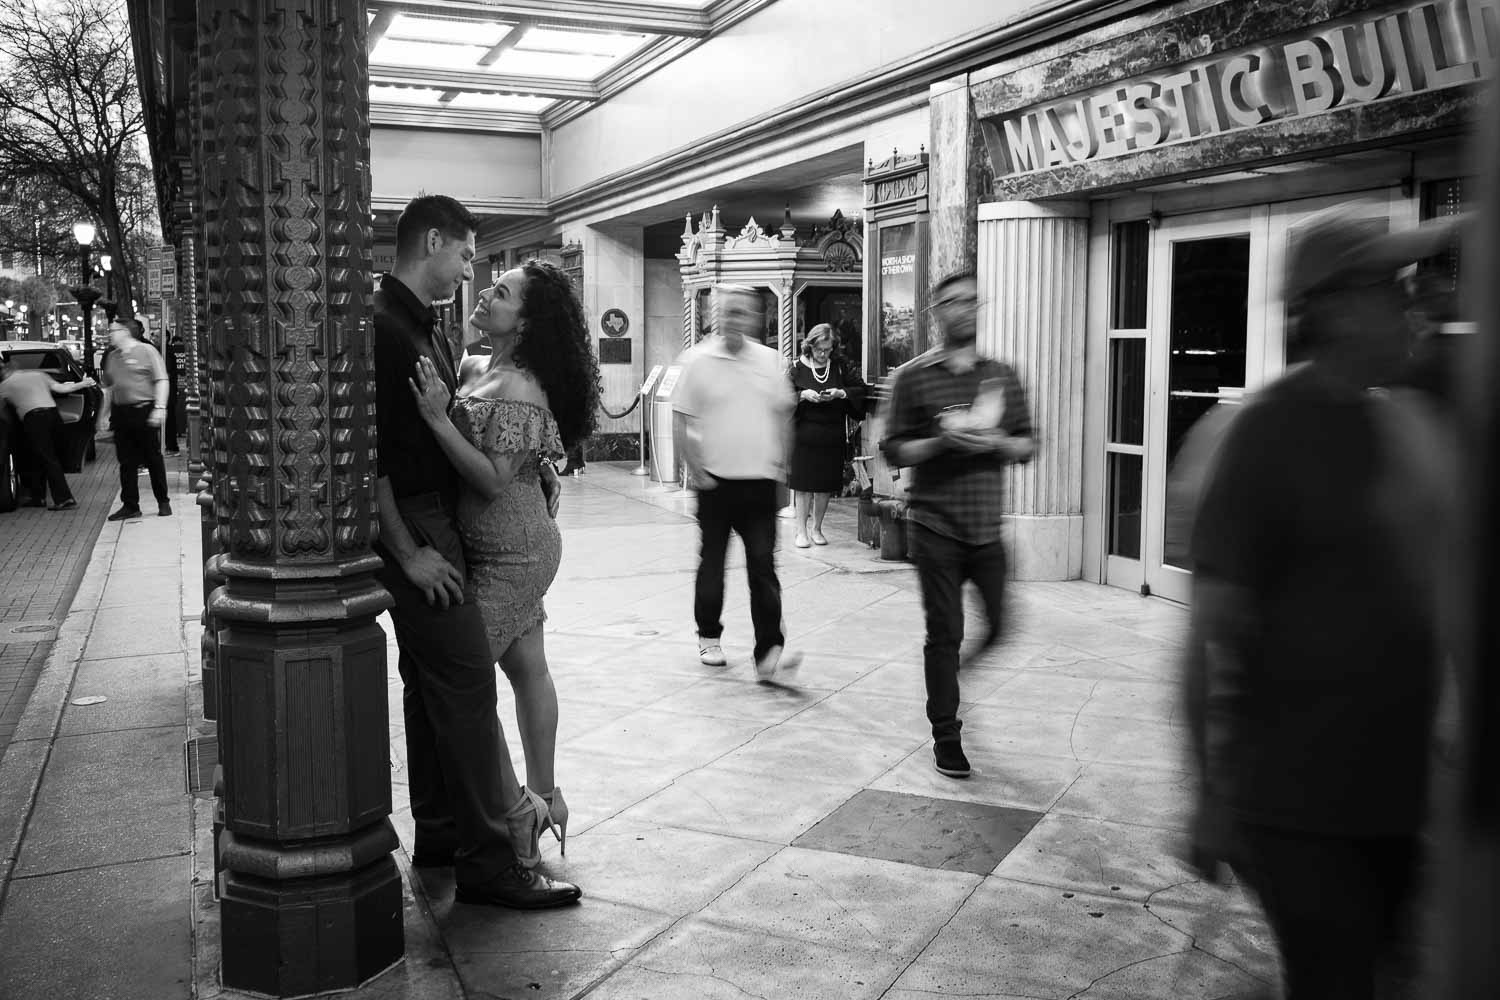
column 827, row 393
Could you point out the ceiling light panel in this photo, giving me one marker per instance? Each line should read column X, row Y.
column 569, row 66
column 472, row 101
column 596, row 43
column 421, row 96
column 442, row 29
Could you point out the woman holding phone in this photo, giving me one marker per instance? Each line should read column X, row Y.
column 827, row 394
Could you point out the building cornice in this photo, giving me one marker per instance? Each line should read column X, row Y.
column 455, row 119
column 480, row 82
column 909, row 77
column 477, row 205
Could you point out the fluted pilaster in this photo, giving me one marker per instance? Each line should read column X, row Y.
column 1033, row 280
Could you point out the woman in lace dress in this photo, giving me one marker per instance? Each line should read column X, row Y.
column 534, row 396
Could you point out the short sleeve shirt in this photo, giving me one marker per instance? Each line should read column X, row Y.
column 27, row 391
column 408, row 453
column 960, row 496
column 133, row 371
column 739, row 407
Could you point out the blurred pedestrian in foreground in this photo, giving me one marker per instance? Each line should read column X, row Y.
column 957, row 419
column 138, row 386
column 730, row 415
column 827, row 395
column 1313, row 666
column 31, row 394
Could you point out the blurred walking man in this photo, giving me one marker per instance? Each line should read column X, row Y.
column 732, row 416
column 957, row 419
column 138, row 387
column 1315, row 653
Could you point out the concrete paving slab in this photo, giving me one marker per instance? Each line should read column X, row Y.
column 843, row 901
column 741, row 700
column 601, row 785
column 856, row 711
column 799, row 749
column 1146, row 796
column 1088, row 855
column 1000, row 777
column 657, row 866
column 108, row 798
column 142, row 693
column 1014, row 938
column 699, row 960
column 943, row 834
column 545, row 953
column 670, row 738
column 139, row 630
column 62, row 935
column 763, row 807
column 149, row 541
column 1033, row 731
column 145, row 585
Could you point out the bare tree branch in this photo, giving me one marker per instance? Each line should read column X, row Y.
column 72, row 132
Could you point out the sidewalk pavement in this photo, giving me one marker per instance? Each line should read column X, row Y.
column 42, row 557
column 732, row 838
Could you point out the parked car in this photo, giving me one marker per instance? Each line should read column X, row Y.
column 79, row 410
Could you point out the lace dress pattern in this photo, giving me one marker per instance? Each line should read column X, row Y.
column 511, row 544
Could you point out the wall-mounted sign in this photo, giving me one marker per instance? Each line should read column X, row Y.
column 383, row 257
column 614, row 323
column 614, row 352
column 1337, row 64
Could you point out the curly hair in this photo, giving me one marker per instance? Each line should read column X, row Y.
column 555, row 347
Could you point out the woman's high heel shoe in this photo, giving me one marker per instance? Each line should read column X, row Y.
column 525, row 821
column 557, row 809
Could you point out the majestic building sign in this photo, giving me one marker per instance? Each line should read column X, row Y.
column 1431, row 46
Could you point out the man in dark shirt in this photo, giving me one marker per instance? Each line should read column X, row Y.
column 957, row 419
column 1315, row 640
column 461, row 779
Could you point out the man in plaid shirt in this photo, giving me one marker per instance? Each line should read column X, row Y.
column 957, row 420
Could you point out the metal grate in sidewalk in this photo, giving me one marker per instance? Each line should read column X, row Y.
column 200, row 758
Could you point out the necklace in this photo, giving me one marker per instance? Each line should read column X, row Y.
column 827, row 371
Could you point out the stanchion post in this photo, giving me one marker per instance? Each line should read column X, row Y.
column 641, row 469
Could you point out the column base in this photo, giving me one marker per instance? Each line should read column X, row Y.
column 1045, row 547
column 314, row 935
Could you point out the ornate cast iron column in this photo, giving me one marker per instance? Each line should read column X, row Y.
column 312, row 898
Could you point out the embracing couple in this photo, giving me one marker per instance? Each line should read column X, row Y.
column 466, row 494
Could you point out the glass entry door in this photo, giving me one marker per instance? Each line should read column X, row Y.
column 1205, row 345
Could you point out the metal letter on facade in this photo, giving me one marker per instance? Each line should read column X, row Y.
column 312, row 899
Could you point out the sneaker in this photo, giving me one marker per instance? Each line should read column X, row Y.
column 949, row 759
column 163, row 510
column 67, row 504
column 710, row 654
column 801, row 541
column 776, row 661
column 123, row 513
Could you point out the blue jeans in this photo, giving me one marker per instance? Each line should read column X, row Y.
column 943, row 564
column 747, row 507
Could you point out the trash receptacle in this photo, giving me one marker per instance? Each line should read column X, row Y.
column 892, row 530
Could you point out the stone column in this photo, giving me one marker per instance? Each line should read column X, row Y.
column 614, row 277
column 957, row 174
column 1032, row 270
column 312, row 899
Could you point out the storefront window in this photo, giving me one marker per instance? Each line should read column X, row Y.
column 898, row 295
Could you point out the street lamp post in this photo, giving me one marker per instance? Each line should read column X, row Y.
column 85, row 293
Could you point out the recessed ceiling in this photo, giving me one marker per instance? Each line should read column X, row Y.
column 525, row 57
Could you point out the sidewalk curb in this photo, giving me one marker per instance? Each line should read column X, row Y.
column 25, row 760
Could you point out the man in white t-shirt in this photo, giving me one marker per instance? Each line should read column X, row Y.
column 731, row 414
